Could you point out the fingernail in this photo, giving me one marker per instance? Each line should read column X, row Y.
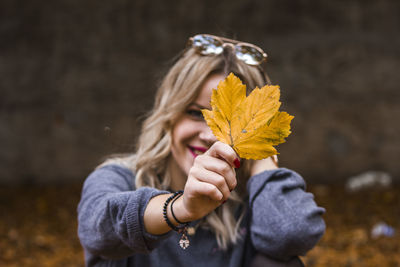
column 236, row 162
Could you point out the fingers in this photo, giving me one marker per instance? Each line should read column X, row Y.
column 216, row 171
column 209, row 190
column 216, row 181
column 224, row 151
column 212, row 176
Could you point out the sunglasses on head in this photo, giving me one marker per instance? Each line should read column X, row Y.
column 206, row 44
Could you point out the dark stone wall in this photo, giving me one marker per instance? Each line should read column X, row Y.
column 76, row 77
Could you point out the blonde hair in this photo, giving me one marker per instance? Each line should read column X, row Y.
column 179, row 88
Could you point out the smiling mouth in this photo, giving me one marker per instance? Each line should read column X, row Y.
column 195, row 150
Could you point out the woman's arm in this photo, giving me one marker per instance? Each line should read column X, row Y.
column 154, row 221
column 288, row 221
column 115, row 222
column 110, row 214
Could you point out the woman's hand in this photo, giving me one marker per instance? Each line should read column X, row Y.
column 210, row 181
column 259, row 166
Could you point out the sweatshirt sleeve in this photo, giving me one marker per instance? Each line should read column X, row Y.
column 285, row 220
column 110, row 214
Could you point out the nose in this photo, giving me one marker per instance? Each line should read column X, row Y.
column 207, row 136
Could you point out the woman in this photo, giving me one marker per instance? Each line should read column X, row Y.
column 230, row 209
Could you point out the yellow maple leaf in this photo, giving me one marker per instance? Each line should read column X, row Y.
column 252, row 125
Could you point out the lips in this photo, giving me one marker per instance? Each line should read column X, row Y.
column 196, row 150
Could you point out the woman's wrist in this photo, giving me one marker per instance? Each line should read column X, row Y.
column 154, row 222
column 168, row 206
column 180, row 211
column 262, row 165
column 182, row 228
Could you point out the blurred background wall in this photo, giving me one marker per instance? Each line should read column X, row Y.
column 76, row 78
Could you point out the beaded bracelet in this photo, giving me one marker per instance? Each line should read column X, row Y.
column 184, row 241
column 173, row 227
column 172, row 211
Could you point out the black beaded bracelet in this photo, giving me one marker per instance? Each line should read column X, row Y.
column 173, row 214
column 173, row 227
column 184, row 241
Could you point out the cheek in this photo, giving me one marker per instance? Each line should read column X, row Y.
column 182, row 134
column 183, row 131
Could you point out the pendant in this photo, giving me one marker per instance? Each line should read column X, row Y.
column 184, row 241
column 191, row 230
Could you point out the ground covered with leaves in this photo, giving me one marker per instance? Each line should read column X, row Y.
column 38, row 227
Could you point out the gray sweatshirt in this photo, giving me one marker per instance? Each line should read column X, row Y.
column 283, row 222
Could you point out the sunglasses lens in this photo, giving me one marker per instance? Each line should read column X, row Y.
column 207, row 45
column 249, row 55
